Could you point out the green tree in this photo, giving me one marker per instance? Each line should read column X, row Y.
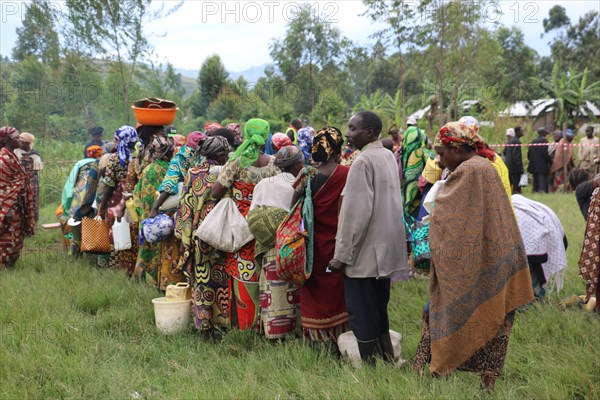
column 575, row 45
column 32, row 99
column 38, row 37
column 83, row 89
column 383, row 72
column 460, row 54
column 158, row 80
column 572, row 96
column 310, row 45
column 212, row 78
column 113, row 30
column 399, row 15
column 517, row 69
column 557, row 18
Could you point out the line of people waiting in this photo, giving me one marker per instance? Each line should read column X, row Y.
column 366, row 219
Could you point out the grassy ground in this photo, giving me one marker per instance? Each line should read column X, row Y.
column 69, row 330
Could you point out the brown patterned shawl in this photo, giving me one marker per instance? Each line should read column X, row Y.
column 479, row 270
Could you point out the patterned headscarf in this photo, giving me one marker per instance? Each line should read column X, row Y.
column 161, row 148
column 256, row 132
column 471, row 122
column 211, row 127
column 127, row 137
column 94, row 152
column 288, row 156
column 457, row 134
column 194, row 139
column 237, row 131
column 280, row 140
column 213, row 146
column 6, row 132
column 326, row 143
column 27, row 137
column 179, row 140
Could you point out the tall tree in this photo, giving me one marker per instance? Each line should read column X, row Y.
column 212, row 78
column 517, row 69
column 460, row 54
column 311, row 44
column 32, row 100
column 38, row 37
column 557, row 18
column 399, row 15
column 113, row 30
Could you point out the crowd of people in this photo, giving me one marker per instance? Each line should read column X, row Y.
column 379, row 211
column 550, row 164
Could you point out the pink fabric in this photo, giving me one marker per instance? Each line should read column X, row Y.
column 281, row 140
column 194, row 139
column 237, row 131
column 211, row 127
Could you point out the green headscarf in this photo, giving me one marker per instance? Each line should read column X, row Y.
column 256, row 132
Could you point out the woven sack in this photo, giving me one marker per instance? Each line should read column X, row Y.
column 95, row 235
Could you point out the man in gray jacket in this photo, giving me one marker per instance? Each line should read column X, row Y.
column 371, row 240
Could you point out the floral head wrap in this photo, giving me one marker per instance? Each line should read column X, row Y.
column 288, row 156
column 94, row 152
column 456, row 134
column 194, row 139
column 280, row 140
column 471, row 122
column 211, row 127
column 326, row 143
column 256, row 132
column 179, row 140
column 6, row 132
column 237, row 131
column 127, row 137
column 213, row 146
column 26, row 137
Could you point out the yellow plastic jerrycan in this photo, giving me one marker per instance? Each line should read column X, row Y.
column 178, row 292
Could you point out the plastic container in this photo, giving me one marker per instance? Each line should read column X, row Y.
column 171, row 316
column 155, row 116
column 121, row 235
column 178, row 292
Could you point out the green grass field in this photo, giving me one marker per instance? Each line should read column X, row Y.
column 69, row 330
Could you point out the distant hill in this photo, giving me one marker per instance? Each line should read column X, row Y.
column 251, row 74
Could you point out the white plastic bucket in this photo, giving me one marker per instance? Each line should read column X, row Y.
column 121, row 235
column 171, row 316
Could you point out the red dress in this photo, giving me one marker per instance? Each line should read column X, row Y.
column 322, row 303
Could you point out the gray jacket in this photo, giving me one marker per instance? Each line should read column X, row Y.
column 371, row 237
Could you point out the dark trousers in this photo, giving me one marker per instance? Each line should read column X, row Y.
column 540, row 183
column 366, row 301
column 514, row 182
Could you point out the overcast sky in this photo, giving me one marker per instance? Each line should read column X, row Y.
column 240, row 31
